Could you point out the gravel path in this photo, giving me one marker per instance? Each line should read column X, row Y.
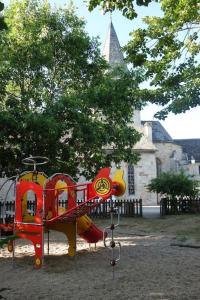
column 150, row 268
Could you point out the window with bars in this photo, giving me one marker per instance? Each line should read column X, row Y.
column 131, row 180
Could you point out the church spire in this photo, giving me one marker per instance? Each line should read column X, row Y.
column 112, row 50
column 113, row 55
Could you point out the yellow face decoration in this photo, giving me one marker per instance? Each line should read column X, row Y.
column 102, row 186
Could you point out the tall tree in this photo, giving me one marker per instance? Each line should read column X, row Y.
column 56, row 99
column 167, row 50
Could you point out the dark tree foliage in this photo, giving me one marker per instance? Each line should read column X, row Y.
column 56, row 99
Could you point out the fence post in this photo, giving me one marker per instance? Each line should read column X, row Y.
column 133, row 208
column 141, row 212
column 161, row 207
column 164, row 206
column 1, row 215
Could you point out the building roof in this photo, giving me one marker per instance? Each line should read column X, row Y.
column 112, row 49
column 191, row 147
column 159, row 134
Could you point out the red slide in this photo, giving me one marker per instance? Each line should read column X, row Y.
column 93, row 234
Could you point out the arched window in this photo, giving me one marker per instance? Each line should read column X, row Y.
column 131, row 180
column 158, row 166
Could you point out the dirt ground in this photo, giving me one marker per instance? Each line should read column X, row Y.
column 159, row 260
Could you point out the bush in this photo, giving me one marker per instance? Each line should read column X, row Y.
column 173, row 185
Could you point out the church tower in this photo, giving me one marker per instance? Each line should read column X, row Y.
column 113, row 55
column 136, row 176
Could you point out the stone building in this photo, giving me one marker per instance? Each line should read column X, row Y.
column 158, row 151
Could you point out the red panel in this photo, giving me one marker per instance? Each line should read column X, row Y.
column 22, row 188
column 32, row 231
column 50, row 197
column 102, row 185
column 93, row 234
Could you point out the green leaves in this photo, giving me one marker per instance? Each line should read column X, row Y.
column 168, row 50
column 126, row 6
column 173, row 185
column 58, row 98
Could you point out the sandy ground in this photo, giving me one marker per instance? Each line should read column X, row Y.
column 152, row 265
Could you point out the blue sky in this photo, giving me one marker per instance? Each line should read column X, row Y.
column 180, row 126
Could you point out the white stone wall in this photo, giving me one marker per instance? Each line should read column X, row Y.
column 145, row 170
column 170, row 156
column 193, row 170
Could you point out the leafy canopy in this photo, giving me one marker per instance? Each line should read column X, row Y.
column 126, row 6
column 167, row 50
column 172, row 185
column 56, row 99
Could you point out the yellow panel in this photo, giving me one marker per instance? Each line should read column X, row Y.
column 70, row 231
column 38, row 178
column 61, row 210
column 118, row 177
column 61, row 186
column 83, row 223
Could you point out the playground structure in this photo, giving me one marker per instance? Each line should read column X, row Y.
column 46, row 214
